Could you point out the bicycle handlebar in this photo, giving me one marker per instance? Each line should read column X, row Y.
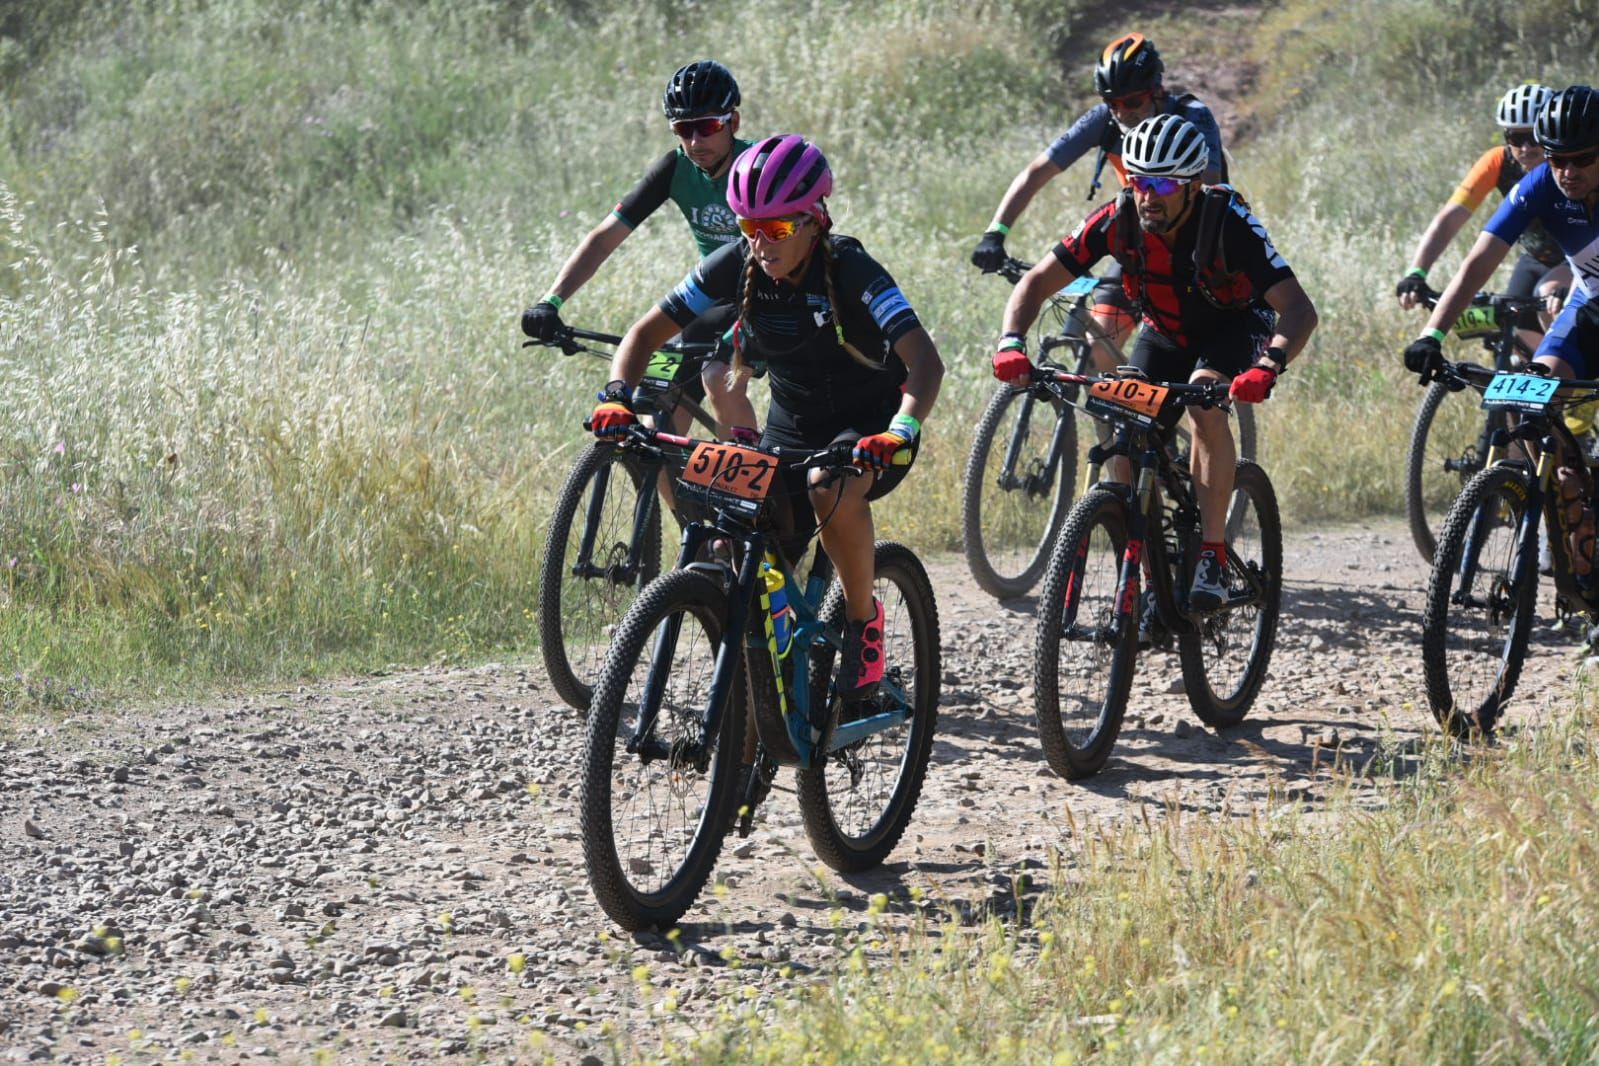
column 837, row 457
column 1505, row 306
column 568, row 337
column 1478, row 376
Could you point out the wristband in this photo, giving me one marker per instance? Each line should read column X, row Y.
column 1012, row 342
column 553, row 300
column 1278, row 356
column 1435, row 334
column 1417, row 272
column 999, row 227
column 901, row 423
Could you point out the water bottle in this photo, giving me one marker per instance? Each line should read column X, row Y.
column 777, row 603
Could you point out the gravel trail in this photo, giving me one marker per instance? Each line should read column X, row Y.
column 389, row 867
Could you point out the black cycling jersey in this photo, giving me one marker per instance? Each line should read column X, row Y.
column 790, row 330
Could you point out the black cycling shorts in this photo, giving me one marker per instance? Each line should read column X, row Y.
column 1228, row 351
column 797, row 520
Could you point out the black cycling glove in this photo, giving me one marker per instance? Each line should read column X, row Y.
column 990, row 251
column 542, row 321
column 1424, row 356
column 1411, row 285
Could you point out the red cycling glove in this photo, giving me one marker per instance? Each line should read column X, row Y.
column 1012, row 366
column 1253, row 385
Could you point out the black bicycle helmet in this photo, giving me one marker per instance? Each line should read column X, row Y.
column 1569, row 122
column 703, row 88
column 1129, row 64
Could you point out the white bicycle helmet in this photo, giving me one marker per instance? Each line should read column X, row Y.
column 1518, row 108
column 1165, row 146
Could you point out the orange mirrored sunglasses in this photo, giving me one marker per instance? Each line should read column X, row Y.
column 773, row 229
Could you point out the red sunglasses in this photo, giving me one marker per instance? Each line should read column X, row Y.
column 709, row 126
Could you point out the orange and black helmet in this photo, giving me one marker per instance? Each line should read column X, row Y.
column 1129, row 64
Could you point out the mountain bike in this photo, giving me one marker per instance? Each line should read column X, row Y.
column 604, row 538
column 1089, row 611
column 736, row 635
column 1449, row 440
column 1020, row 476
column 1484, row 582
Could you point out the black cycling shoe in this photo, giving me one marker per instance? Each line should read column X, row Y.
column 1209, row 590
column 1150, row 629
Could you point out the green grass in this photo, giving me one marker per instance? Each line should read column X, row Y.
column 1451, row 918
column 263, row 408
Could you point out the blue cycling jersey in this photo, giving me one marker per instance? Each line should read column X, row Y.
column 1576, row 230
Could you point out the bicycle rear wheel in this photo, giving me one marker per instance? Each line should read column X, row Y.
column 858, row 800
column 653, row 821
column 585, row 581
column 1445, row 453
column 1225, row 655
column 1083, row 656
column 1019, row 482
column 1480, row 598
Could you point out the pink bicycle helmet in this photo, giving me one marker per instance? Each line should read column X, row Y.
column 779, row 176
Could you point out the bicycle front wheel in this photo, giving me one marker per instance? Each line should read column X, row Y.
column 591, row 570
column 1225, row 654
column 1445, row 453
column 1480, row 598
column 1019, row 482
column 857, row 801
column 1084, row 655
column 653, row 817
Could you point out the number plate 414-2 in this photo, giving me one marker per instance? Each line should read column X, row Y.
column 1526, row 392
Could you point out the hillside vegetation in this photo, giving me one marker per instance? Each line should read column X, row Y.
column 263, row 408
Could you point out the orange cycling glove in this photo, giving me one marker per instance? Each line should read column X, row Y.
column 614, row 413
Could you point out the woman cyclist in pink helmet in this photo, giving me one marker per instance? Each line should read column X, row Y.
column 846, row 356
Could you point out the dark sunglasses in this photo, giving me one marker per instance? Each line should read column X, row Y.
column 1158, row 186
column 709, row 126
column 1131, row 101
column 1572, row 161
column 1519, row 138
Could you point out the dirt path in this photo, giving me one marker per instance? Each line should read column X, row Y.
column 350, row 867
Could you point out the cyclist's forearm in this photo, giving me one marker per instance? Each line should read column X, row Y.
column 1021, row 311
column 642, row 339
column 590, row 254
column 1485, row 257
column 1296, row 317
column 1443, row 229
column 1022, row 190
column 924, row 373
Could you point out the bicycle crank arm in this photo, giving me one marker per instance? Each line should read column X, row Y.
column 620, row 575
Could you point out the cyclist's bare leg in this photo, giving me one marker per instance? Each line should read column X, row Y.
column 1119, row 325
column 1212, row 463
column 729, row 397
column 848, row 534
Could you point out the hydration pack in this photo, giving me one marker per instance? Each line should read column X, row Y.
column 1220, row 286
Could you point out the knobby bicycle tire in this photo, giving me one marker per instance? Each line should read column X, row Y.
column 1472, row 655
column 1030, row 515
column 848, row 831
column 1254, row 563
column 668, row 816
column 577, row 614
column 1082, row 586
column 1429, row 488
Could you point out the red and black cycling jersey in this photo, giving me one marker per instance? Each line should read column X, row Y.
column 1160, row 280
